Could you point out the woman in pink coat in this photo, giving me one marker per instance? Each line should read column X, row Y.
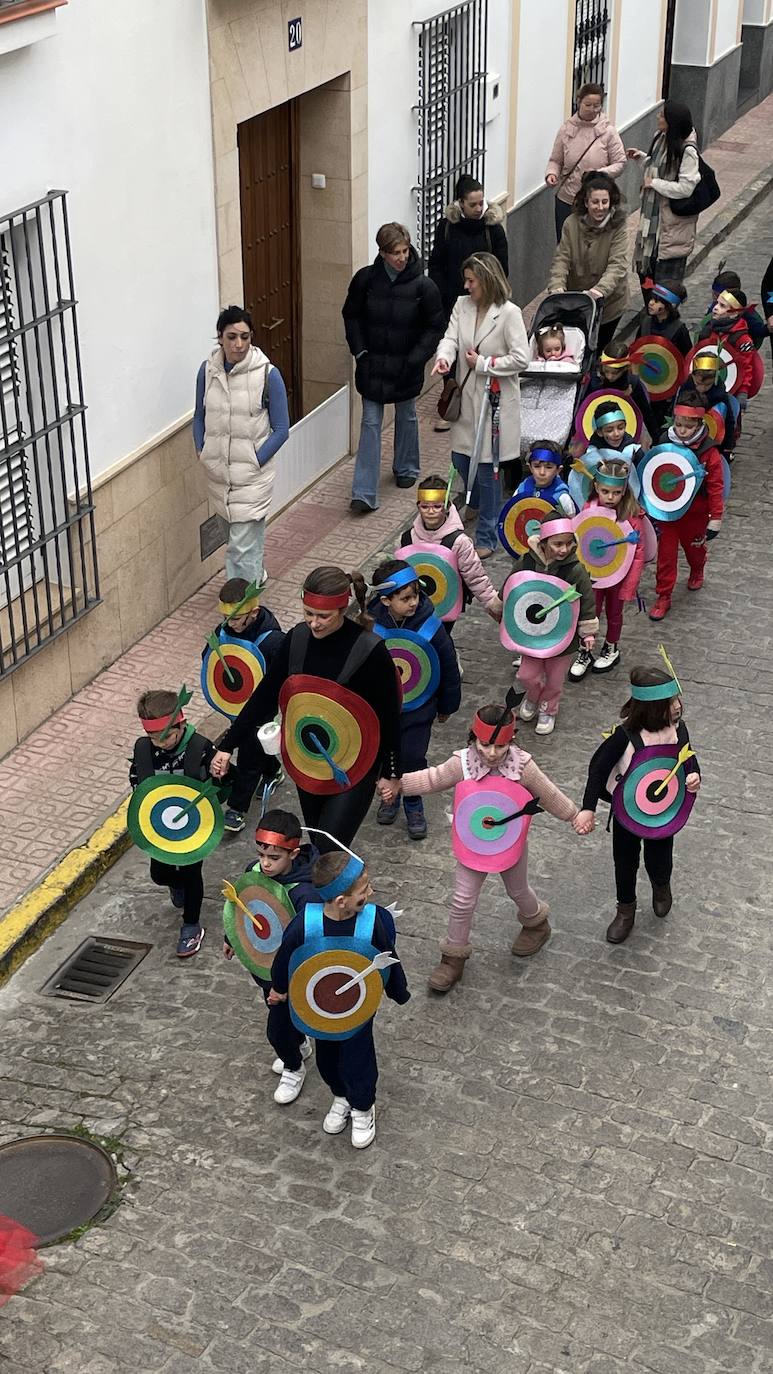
column 585, row 143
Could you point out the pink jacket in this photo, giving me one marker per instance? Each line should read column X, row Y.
column 630, row 583
column 517, row 765
column 471, row 569
column 593, row 147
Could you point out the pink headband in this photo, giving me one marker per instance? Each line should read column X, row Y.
column 561, row 525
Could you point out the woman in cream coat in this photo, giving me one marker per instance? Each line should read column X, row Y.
column 487, row 336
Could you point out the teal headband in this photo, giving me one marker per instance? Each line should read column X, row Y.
column 607, row 479
column 346, row 879
column 660, row 692
column 610, row 417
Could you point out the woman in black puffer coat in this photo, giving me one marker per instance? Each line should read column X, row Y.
column 393, row 318
column 468, row 226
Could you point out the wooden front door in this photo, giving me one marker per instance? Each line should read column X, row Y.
column 268, row 183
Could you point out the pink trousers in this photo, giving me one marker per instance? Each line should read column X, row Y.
column 467, row 885
column 544, row 679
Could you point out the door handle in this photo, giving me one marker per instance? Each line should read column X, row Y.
column 273, row 325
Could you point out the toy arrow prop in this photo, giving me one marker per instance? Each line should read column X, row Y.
column 183, row 697
column 230, row 892
column 532, row 808
column 249, row 595
column 380, row 961
column 339, row 775
column 597, row 546
column 684, row 754
column 451, row 475
column 208, row 793
column 669, row 665
column 580, row 467
column 571, row 595
column 214, row 644
column 669, row 481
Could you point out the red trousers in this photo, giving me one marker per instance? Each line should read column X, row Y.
column 690, row 532
column 609, row 599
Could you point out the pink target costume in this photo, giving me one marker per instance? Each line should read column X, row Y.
column 493, row 807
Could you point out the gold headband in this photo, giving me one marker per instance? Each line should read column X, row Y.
column 706, row 362
column 432, row 494
column 727, row 298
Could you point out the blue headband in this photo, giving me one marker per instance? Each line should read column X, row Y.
column 610, row 417
column 346, row 879
column 670, row 297
column 544, row 455
column 660, row 692
column 401, row 578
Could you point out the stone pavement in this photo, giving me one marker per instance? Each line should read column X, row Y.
column 573, row 1172
column 45, row 811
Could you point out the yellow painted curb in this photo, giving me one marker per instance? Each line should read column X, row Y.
column 26, row 925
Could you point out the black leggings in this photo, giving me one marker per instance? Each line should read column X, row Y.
column 187, row 880
column 341, row 814
column 626, row 849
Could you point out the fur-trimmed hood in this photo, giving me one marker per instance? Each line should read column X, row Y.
column 492, row 215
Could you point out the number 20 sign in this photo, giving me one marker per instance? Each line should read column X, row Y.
column 294, row 34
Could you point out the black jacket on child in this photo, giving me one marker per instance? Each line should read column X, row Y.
column 191, row 757
column 300, row 888
column 449, row 694
column 608, row 754
column 675, row 330
column 395, row 325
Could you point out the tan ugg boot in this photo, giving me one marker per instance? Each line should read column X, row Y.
column 535, row 930
column 620, row 928
column 451, row 967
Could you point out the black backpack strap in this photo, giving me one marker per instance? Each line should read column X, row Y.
column 682, row 734
column 299, row 643
column 194, row 757
column 449, row 540
column 406, row 538
column 634, row 737
column 360, row 651
column 142, row 762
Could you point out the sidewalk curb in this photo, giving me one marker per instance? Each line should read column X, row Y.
column 24, row 928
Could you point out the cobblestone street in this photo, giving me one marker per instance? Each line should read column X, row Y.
column 573, row 1172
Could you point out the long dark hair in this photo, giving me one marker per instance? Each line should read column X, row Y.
column 678, row 129
column 647, row 715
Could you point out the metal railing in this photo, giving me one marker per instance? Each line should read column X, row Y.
column 48, row 560
column 591, row 26
column 451, row 109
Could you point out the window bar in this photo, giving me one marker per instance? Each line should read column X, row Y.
column 19, row 559
column 7, row 445
column 67, row 413
column 79, row 375
column 46, row 433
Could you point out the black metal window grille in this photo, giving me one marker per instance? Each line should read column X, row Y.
column 48, row 560
column 591, row 26
column 451, row 109
column 668, row 48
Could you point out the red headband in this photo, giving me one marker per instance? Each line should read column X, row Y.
column 278, row 841
column 161, row 722
column 316, row 601
column 485, row 732
column 558, row 526
column 695, row 412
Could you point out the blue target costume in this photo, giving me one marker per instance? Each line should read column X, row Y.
column 416, row 724
column 349, row 1065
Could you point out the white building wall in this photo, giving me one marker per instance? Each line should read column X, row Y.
column 393, row 158
column 640, row 63
column 726, row 31
column 114, row 108
column 541, row 88
column 692, row 33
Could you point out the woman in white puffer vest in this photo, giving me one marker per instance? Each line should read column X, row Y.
column 240, row 421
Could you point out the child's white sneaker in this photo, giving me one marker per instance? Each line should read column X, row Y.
column 527, row 709
column 337, row 1117
column 289, row 1085
column 306, row 1049
column 546, row 724
column 363, row 1127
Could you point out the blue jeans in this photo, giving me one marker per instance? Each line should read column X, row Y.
column 244, row 555
column 406, row 455
column 486, row 495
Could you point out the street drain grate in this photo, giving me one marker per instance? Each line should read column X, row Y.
column 54, row 1183
column 96, row 969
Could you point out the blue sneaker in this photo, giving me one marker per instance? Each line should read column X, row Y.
column 233, row 821
column 387, row 812
column 190, row 941
column 415, row 818
column 177, row 895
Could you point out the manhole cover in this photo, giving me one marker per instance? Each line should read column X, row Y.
column 53, row 1183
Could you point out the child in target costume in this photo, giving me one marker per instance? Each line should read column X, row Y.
column 702, row 521
column 438, row 523
column 170, row 745
column 491, row 754
column 348, row 1066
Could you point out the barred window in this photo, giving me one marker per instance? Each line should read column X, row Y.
column 591, row 26
column 48, row 561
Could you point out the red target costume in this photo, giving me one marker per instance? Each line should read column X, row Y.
column 469, row 765
column 700, row 522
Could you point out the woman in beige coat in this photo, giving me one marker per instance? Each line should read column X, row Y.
column 592, row 254
column 586, row 142
column 487, row 335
